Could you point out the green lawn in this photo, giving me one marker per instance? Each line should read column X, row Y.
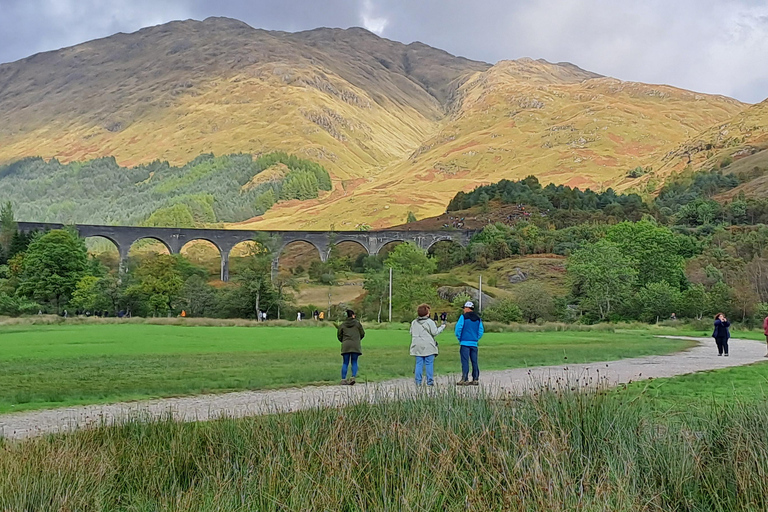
column 703, row 389
column 51, row 366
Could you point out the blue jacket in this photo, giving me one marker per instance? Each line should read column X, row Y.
column 469, row 329
column 721, row 329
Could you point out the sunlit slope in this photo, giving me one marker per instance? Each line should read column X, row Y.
column 399, row 127
column 346, row 98
column 559, row 122
column 738, row 145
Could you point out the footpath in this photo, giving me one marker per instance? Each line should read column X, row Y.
column 251, row 403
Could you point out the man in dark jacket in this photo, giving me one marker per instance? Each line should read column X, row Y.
column 350, row 333
column 469, row 330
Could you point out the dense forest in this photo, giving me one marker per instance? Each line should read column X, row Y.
column 686, row 200
column 207, row 190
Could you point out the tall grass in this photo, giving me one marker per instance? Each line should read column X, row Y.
column 556, row 449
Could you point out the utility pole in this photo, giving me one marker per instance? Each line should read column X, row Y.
column 390, row 294
column 480, row 295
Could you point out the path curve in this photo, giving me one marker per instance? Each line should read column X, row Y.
column 250, row 403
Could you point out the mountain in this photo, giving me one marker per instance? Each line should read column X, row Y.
column 399, row 127
column 738, row 145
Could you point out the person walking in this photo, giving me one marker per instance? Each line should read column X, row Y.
column 765, row 331
column 423, row 344
column 721, row 334
column 350, row 333
column 469, row 330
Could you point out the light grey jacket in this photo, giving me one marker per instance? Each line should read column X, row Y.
column 423, row 332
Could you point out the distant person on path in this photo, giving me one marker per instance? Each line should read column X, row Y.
column 721, row 334
column 443, row 316
column 350, row 333
column 469, row 330
column 321, row 316
column 765, row 331
column 423, row 344
column 298, row 316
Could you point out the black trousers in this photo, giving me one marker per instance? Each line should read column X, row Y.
column 722, row 345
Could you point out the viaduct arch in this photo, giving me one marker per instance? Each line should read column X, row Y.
column 225, row 239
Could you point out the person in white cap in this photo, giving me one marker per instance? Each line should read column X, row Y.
column 469, row 330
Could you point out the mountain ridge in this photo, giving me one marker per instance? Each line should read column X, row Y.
column 400, row 127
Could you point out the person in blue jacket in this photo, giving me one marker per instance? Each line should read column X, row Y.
column 721, row 334
column 469, row 330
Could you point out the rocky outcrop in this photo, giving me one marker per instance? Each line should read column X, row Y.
column 450, row 292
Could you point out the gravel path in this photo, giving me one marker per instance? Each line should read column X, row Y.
column 249, row 403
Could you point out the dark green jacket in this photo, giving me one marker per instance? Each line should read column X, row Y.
column 349, row 334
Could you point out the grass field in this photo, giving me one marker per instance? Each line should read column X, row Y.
column 554, row 451
column 59, row 365
column 747, row 384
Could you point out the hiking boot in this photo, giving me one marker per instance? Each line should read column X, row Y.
column 344, row 382
column 462, row 382
column 726, row 355
column 474, row 383
column 351, row 381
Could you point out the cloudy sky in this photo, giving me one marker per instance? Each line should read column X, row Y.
column 715, row 46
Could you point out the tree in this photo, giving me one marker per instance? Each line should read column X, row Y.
column 255, row 280
column 53, row 265
column 504, row 310
column 8, row 229
column 653, row 251
column 721, row 299
column 658, row 301
column 411, row 217
column 87, row 295
column 377, row 287
column 198, row 297
column 13, row 305
column 534, row 301
column 160, row 279
column 693, row 302
column 411, row 286
column 602, row 277
column 409, row 259
column 283, row 282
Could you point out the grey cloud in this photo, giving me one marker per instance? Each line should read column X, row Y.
column 716, row 46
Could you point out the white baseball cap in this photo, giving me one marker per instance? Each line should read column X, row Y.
column 469, row 304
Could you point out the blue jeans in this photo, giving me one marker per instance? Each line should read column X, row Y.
column 467, row 354
column 429, row 363
column 345, row 364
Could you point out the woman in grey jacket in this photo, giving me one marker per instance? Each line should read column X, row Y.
column 423, row 344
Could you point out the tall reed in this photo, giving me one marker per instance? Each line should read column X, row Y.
column 556, row 449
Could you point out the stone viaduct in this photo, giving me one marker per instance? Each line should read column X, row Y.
column 174, row 239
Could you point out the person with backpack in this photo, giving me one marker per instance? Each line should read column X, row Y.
column 721, row 334
column 423, row 344
column 350, row 333
column 469, row 330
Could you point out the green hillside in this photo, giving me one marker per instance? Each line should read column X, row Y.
column 207, row 190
